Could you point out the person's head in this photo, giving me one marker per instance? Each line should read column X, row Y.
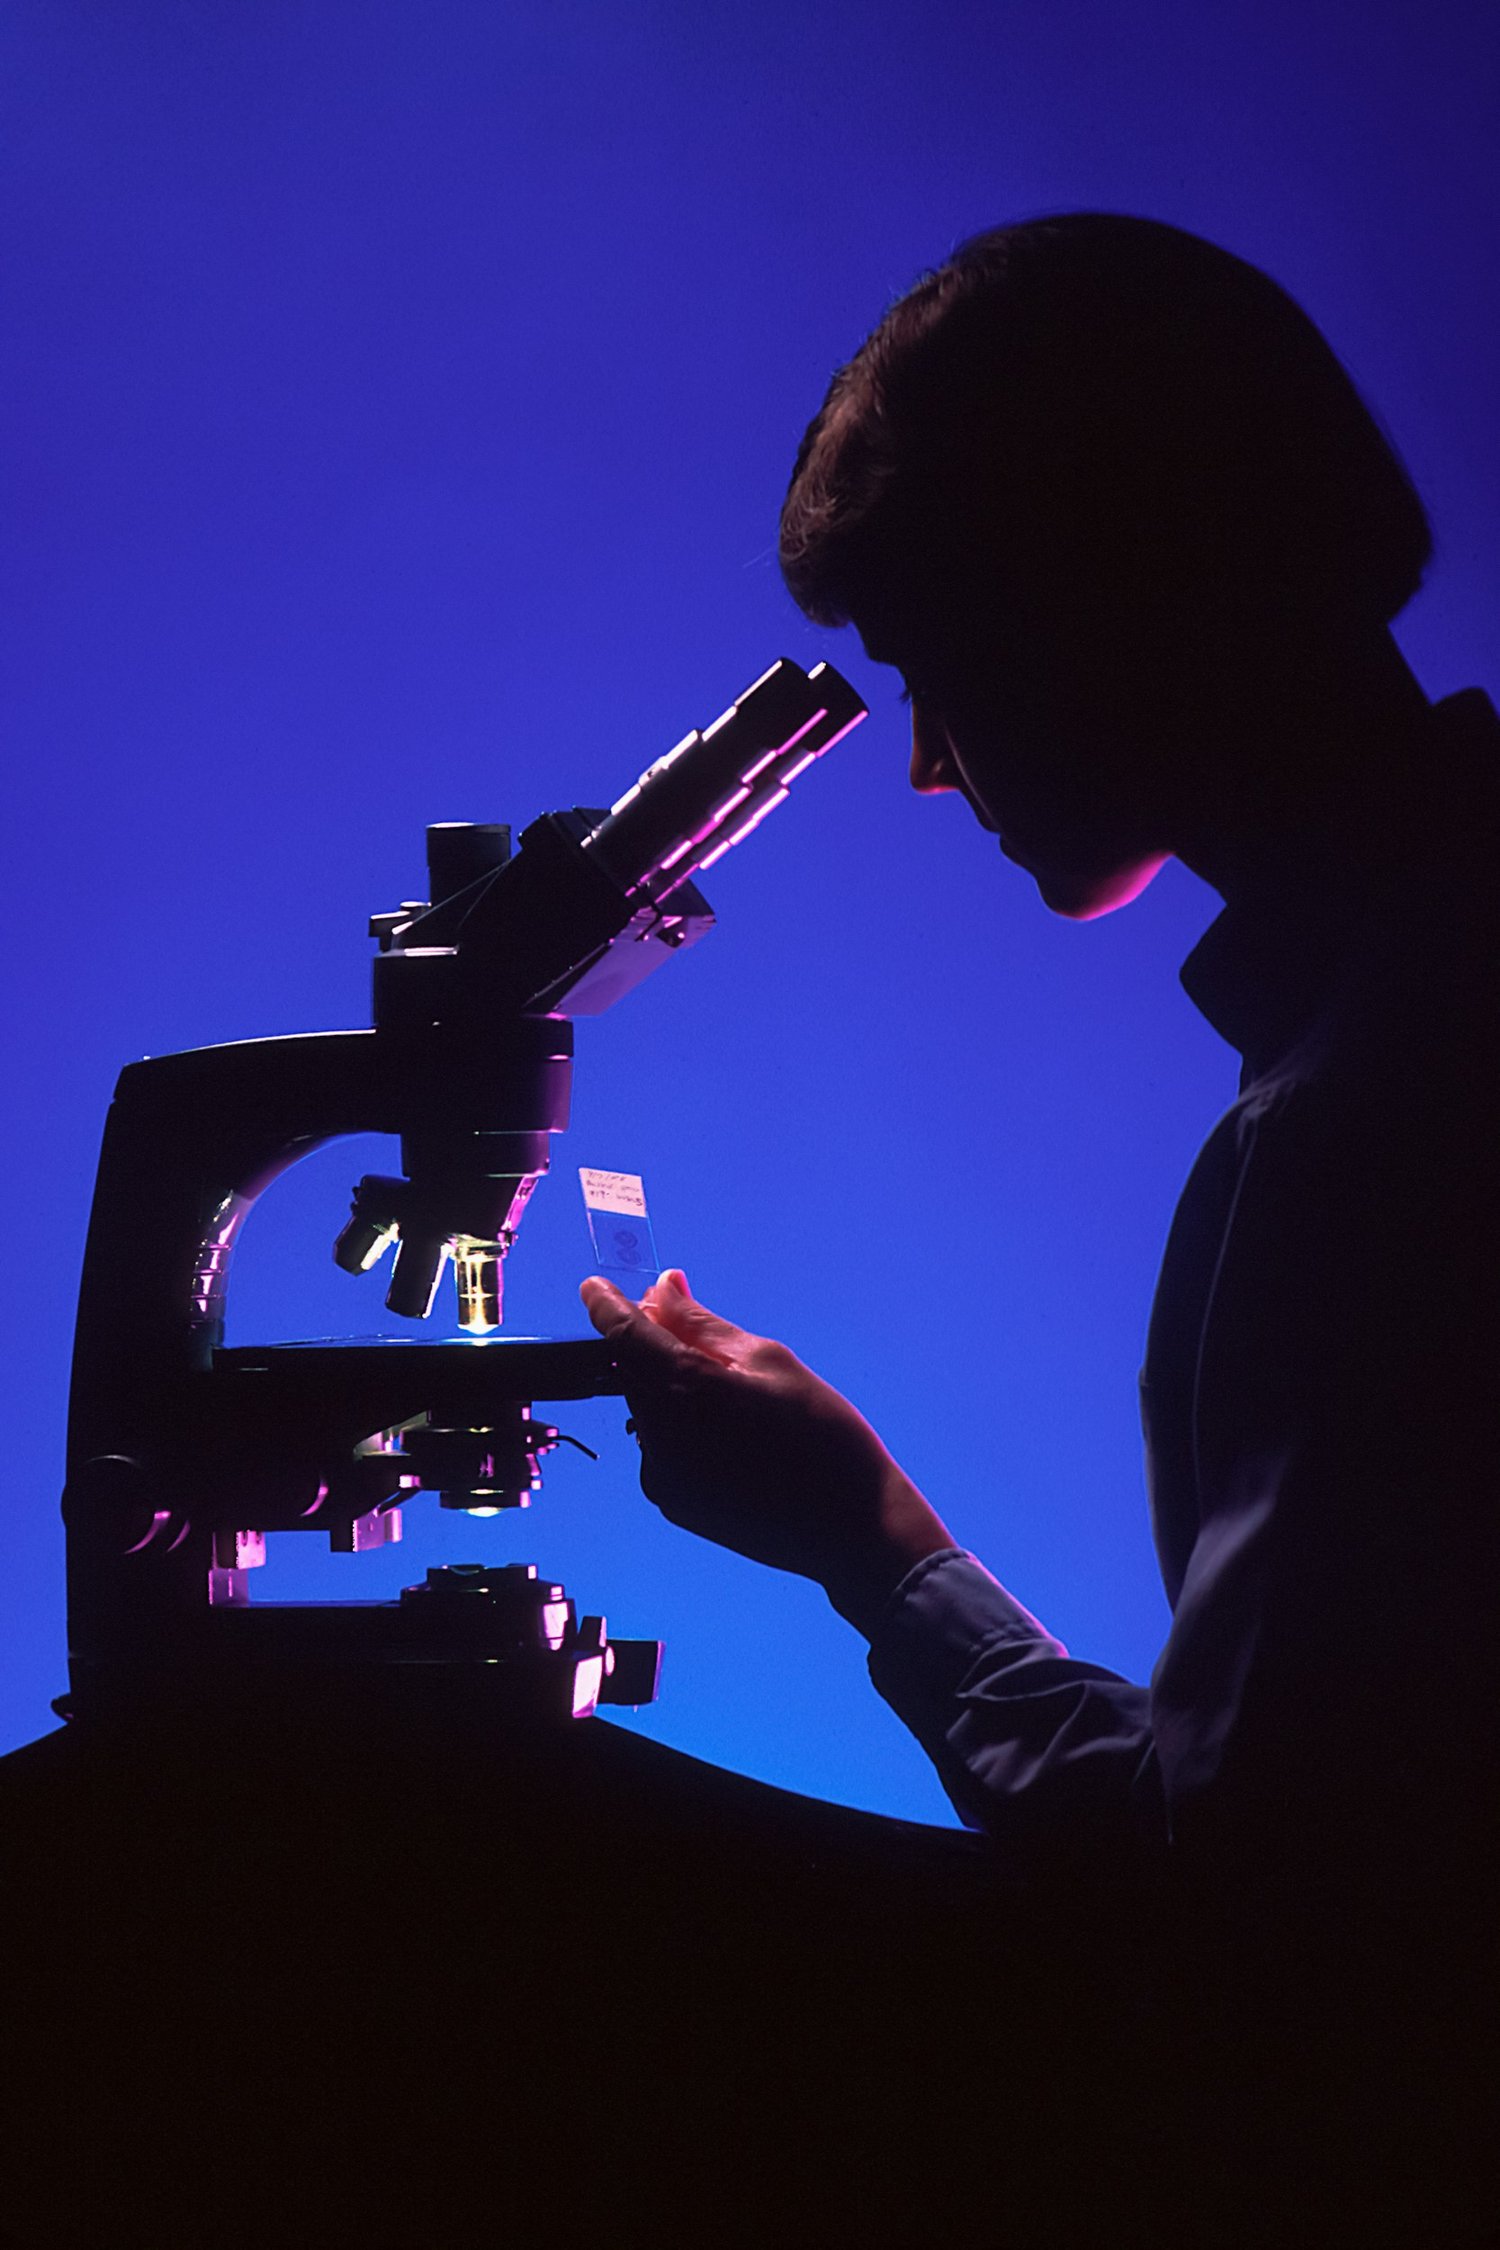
column 1084, row 484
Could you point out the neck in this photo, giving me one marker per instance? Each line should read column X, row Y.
column 1316, row 769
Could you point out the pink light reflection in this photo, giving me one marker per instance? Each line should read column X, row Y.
column 159, row 1521
column 748, row 827
column 857, row 720
column 790, row 743
column 715, row 820
column 801, row 767
column 587, row 1681
column 778, row 796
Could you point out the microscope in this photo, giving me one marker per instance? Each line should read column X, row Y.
column 324, row 1923
column 184, row 1453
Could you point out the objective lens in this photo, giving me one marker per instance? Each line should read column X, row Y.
column 480, row 1277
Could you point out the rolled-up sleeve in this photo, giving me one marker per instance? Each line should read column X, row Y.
column 1049, row 1756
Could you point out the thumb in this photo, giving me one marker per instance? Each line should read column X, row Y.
column 608, row 1308
column 629, row 1329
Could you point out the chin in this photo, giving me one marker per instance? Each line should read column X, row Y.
column 1085, row 898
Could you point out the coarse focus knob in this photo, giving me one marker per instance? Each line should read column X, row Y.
column 112, row 1501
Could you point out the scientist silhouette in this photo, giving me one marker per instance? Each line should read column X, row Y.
column 1114, row 509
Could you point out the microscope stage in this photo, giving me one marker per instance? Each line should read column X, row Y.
column 448, row 1377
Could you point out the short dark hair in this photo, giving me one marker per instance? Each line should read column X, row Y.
column 1098, row 393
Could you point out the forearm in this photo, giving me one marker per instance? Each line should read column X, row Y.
column 905, row 1530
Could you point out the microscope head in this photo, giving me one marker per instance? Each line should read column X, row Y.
column 477, row 986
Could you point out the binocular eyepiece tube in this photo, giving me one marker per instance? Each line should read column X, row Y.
column 714, row 787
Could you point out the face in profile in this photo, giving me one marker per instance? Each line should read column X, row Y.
column 1058, row 753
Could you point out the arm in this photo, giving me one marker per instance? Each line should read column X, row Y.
column 1053, row 1756
column 744, row 1445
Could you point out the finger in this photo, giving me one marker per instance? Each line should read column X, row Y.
column 674, row 1308
column 653, row 1296
column 607, row 1307
column 669, row 1286
column 642, row 1347
column 619, row 1321
column 666, row 1302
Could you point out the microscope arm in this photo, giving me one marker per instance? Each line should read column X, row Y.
column 164, row 1450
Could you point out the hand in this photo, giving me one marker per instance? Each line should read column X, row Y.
column 744, row 1445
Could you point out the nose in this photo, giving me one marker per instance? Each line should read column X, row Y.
column 932, row 768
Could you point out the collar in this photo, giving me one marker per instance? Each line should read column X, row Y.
column 1265, row 969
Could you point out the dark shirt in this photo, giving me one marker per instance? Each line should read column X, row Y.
column 1321, row 1404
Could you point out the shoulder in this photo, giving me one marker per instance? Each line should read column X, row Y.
column 1409, row 1029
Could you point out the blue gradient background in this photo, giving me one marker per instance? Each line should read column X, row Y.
column 401, row 396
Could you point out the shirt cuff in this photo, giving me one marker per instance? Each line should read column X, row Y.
column 946, row 1608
